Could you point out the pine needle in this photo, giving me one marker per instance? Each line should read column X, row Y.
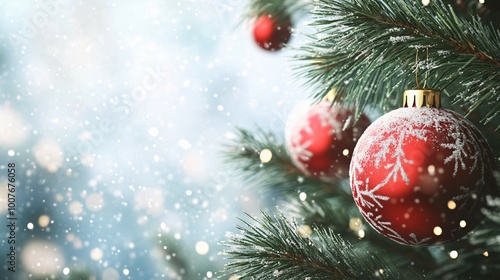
column 279, row 174
column 270, row 248
column 367, row 50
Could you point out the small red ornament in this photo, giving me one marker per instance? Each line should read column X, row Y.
column 419, row 175
column 320, row 142
column 272, row 33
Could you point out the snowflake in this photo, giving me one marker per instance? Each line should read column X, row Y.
column 383, row 147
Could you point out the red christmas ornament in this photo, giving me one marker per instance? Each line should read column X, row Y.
column 320, row 142
column 419, row 175
column 272, row 33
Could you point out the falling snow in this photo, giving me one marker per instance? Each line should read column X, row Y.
column 114, row 114
column 322, row 133
column 382, row 159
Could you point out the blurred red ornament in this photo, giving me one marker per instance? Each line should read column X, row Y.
column 272, row 33
column 419, row 176
column 320, row 141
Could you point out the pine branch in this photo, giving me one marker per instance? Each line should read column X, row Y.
column 478, row 255
column 175, row 256
column 343, row 217
column 478, row 251
column 282, row 9
column 274, row 249
column 367, row 49
column 279, row 174
column 332, row 212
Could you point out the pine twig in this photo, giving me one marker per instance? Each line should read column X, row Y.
column 279, row 174
column 482, row 246
column 478, row 255
column 282, row 9
column 366, row 49
column 274, row 249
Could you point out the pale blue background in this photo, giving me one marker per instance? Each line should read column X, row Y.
column 70, row 70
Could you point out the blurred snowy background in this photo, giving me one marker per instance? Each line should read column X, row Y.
column 115, row 113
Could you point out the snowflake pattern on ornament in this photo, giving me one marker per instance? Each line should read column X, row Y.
column 299, row 143
column 320, row 141
column 410, row 163
column 327, row 117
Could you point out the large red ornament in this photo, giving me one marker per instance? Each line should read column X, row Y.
column 419, row 176
column 272, row 33
column 320, row 142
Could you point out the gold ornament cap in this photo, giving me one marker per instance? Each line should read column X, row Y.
column 422, row 97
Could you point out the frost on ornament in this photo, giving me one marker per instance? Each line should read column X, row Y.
column 320, row 140
column 420, row 175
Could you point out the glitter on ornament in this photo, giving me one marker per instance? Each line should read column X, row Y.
column 419, row 176
column 320, row 140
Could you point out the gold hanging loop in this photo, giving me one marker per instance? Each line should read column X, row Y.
column 422, row 97
column 416, row 70
column 426, row 65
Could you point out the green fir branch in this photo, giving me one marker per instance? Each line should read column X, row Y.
column 333, row 207
column 281, row 9
column 332, row 212
column 270, row 248
column 367, row 49
column 478, row 255
column 337, row 213
column 279, row 174
column 178, row 261
column 478, row 252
